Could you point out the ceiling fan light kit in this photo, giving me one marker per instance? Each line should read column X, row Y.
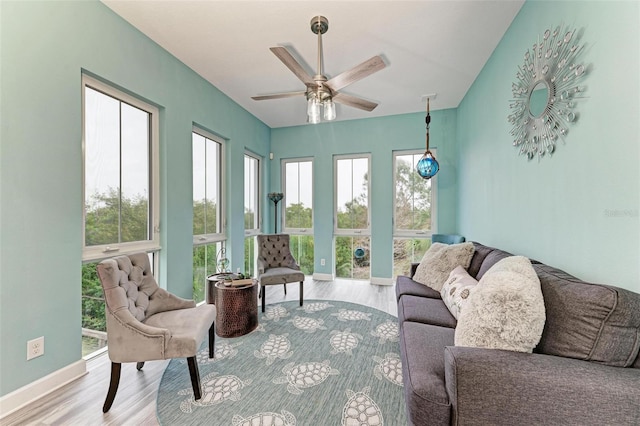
column 322, row 93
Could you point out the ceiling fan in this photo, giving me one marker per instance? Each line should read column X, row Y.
column 321, row 91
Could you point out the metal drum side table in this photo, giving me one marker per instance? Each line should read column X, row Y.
column 236, row 309
column 210, row 291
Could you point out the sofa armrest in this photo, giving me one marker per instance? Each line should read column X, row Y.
column 489, row 386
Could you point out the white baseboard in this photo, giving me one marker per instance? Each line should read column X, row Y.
column 35, row 390
column 382, row 281
column 323, row 277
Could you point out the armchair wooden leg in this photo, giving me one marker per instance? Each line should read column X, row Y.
column 113, row 386
column 139, row 365
column 285, row 289
column 264, row 296
column 212, row 339
column 301, row 288
column 195, row 377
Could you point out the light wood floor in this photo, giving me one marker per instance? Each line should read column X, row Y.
column 80, row 402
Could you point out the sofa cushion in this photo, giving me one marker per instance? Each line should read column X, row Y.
column 505, row 310
column 479, row 254
column 405, row 285
column 424, row 310
column 422, row 352
column 589, row 321
column 440, row 260
column 493, row 257
column 457, row 289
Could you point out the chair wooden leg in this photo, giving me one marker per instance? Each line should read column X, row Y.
column 301, row 288
column 195, row 377
column 212, row 339
column 285, row 289
column 139, row 365
column 264, row 296
column 113, row 386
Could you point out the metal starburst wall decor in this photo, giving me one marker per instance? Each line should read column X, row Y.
column 545, row 93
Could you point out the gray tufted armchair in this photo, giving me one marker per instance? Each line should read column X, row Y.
column 146, row 322
column 276, row 265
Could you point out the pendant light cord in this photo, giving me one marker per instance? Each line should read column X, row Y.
column 428, row 121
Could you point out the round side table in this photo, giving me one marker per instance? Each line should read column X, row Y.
column 236, row 309
column 210, row 291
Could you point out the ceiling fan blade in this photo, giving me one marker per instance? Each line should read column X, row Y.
column 277, row 96
column 291, row 63
column 355, row 102
column 356, row 73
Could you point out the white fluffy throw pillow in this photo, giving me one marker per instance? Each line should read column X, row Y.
column 457, row 289
column 438, row 262
column 505, row 310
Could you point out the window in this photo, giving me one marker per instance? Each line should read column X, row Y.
column 352, row 242
column 252, row 219
column 120, row 170
column 413, row 211
column 297, row 181
column 208, row 232
column 120, row 197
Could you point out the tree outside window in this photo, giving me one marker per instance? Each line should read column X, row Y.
column 413, row 218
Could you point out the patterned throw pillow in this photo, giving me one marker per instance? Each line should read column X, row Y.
column 457, row 289
column 438, row 262
column 505, row 310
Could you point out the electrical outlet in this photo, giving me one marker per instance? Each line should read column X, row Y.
column 322, row 262
column 35, row 348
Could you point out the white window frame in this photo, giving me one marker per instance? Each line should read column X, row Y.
column 283, row 170
column 99, row 252
column 416, row 233
column 258, row 198
column 214, row 237
column 343, row 231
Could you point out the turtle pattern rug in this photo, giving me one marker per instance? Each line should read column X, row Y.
column 325, row 363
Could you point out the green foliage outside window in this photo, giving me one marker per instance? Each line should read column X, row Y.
column 249, row 219
column 348, row 265
column 92, row 299
column 412, row 213
column 407, row 251
column 298, row 216
column 302, row 250
column 413, row 198
column 93, row 317
column 204, row 264
column 204, row 217
column 249, row 256
column 111, row 218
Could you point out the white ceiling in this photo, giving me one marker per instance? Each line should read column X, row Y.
column 429, row 47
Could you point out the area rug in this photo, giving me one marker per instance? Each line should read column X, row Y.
column 326, row 363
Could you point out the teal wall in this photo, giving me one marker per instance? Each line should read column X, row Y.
column 578, row 210
column 564, row 210
column 379, row 137
column 45, row 46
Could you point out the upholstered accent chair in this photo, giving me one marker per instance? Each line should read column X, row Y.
column 276, row 265
column 447, row 238
column 147, row 323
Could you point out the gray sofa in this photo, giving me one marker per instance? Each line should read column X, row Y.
column 584, row 371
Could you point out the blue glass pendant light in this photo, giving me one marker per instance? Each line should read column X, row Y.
column 427, row 166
